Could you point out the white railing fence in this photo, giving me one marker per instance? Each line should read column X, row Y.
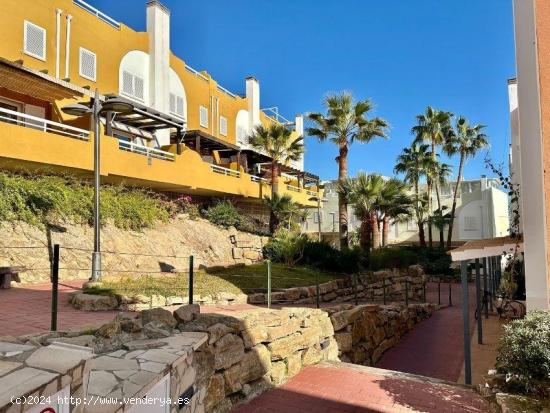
column 312, row 193
column 99, row 14
column 225, row 171
column 294, row 188
column 29, row 121
column 196, row 72
column 255, row 178
column 146, row 151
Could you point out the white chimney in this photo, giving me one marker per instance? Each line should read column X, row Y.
column 158, row 28
column 253, row 97
column 299, row 128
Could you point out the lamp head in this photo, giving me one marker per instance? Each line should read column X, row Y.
column 117, row 105
column 76, row 109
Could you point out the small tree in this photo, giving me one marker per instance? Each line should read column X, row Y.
column 281, row 209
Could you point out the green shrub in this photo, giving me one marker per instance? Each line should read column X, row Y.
column 324, row 256
column 524, row 353
column 286, row 246
column 224, row 214
column 392, row 258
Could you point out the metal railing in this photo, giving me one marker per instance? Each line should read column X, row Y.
column 312, row 193
column 146, row 151
column 227, row 92
column 225, row 171
column 294, row 188
column 196, row 73
column 99, row 14
column 29, row 121
column 273, row 114
column 255, row 178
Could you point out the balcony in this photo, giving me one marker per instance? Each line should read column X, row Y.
column 146, row 151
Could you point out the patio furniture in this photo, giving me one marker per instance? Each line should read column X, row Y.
column 9, row 274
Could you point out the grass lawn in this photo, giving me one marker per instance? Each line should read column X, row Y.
column 233, row 280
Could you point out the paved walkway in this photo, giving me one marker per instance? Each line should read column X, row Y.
column 346, row 388
column 435, row 347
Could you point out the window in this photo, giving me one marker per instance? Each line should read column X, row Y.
column 412, row 225
column 317, row 217
column 34, row 40
column 132, row 85
column 11, row 106
column 176, row 105
column 223, row 126
column 470, row 224
column 87, row 64
column 203, row 116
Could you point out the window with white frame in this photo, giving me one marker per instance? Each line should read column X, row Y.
column 177, row 105
column 87, row 67
column 470, row 223
column 34, row 40
column 203, row 116
column 317, row 217
column 412, row 225
column 132, row 85
column 223, row 126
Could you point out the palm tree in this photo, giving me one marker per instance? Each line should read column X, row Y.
column 276, row 141
column 441, row 171
column 281, row 209
column 362, row 193
column 433, row 126
column 393, row 204
column 414, row 162
column 465, row 140
column 345, row 122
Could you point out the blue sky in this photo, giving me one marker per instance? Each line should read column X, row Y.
column 403, row 54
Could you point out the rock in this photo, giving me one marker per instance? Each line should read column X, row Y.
column 227, row 351
column 284, row 347
column 343, row 341
column 254, row 335
column 311, row 355
column 254, row 365
column 217, row 331
column 186, row 312
column 91, row 302
column 129, row 324
column 258, row 298
column 339, row 320
column 159, row 314
column 109, row 330
column 292, row 294
column 215, row 392
column 511, row 403
column 174, row 300
column 144, row 344
column 294, row 363
column 278, row 373
column 275, row 332
column 101, row 383
column 156, row 329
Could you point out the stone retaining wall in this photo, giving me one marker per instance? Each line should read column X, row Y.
column 217, row 360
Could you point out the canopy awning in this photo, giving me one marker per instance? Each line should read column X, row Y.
column 14, row 76
column 199, row 140
column 486, row 248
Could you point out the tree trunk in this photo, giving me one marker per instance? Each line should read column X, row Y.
column 385, row 230
column 342, row 160
column 375, row 231
column 430, row 233
column 440, row 213
column 365, row 234
column 453, row 209
column 419, row 222
column 273, row 221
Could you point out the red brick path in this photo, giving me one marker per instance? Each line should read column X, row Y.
column 344, row 388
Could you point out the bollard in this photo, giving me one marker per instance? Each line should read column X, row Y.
column 450, row 295
column 439, row 292
column 355, row 289
column 478, row 304
column 268, row 284
column 317, row 289
column 55, row 286
column 485, row 286
column 190, row 279
column 406, row 293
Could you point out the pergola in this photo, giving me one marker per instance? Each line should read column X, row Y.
column 489, row 252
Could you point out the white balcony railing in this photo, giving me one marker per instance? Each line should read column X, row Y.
column 311, row 193
column 293, row 188
column 255, row 178
column 225, row 171
column 145, row 151
column 29, row 121
column 99, row 14
column 196, row 73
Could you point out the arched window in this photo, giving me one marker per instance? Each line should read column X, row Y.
column 178, row 99
column 134, row 76
column 242, row 127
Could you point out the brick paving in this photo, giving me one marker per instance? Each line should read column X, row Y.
column 435, row 347
column 345, row 388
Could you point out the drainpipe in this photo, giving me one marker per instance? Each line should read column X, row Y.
column 57, row 39
column 68, row 46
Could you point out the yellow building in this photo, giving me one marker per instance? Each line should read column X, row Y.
column 186, row 133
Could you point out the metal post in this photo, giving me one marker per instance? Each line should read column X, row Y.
column 485, row 291
column 466, row 319
column 439, row 292
column 406, row 292
column 190, row 279
column 268, row 284
column 355, row 289
column 478, row 304
column 384, row 290
column 319, row 211
column 317, row 292
column 96, row 255
column 55, row 285
column 450, row 295
column 424, row 291
column 491, row 281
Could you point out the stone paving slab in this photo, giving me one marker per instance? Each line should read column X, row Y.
column 347, row 388
column 23, row 381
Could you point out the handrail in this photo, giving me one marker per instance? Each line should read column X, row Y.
column 99, row 14
column 255, row 178
column 196, row 72
column 146, row 151
column 225, row 171
column 294, row 188
column 45, row 125
column 227, row 92
column 312, row 193
column 275, row 115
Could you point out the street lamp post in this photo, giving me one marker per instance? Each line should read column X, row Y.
column 318, row 199
column 95, row 110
